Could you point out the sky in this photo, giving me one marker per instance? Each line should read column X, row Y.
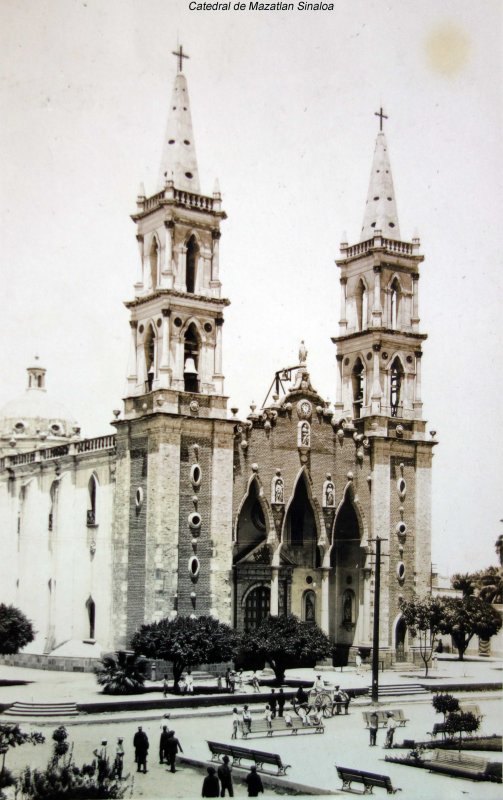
column 283, row 110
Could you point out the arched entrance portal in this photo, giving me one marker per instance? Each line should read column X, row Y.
column 257, row 607
column 346, row 556
column 400, row 633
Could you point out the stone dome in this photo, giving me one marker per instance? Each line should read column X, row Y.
column 35, row 419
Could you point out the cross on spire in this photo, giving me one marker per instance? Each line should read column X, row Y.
column 381, row 116
column 180, row 56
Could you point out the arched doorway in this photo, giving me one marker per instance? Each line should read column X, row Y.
column 257, row 607
column 345, row 560
column 400, row 633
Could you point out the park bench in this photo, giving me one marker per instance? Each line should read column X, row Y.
column 238, row 754
column 278, row 725
column 471, row 708
column 368, row 779
column 458, row 764
column 438, row 727
column 382, row 717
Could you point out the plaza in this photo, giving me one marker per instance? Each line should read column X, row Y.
column 312, row 757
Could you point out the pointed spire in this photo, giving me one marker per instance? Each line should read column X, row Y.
column 179, row 152
column 380, row 211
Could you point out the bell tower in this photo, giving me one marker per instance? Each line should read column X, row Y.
column 379, row 342
column 176, row 316
column 173, row 499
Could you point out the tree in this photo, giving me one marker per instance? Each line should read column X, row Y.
column 490, row 584
column 186, row 641
column 468, row 617
column 445, row 703
column 287, row 642
column 13, row 736
column 16, row 631
column 422, row 615
column 461, row 722
column 464, row 582
column 120, row 674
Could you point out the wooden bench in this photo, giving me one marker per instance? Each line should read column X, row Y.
column 218, row 749
column 471, row 708
column 438, row 727
column 382, row 717
column 458, row 764
column 279, row 726
column 368, row 779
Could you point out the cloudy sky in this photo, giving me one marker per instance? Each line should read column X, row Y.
column 283, row 109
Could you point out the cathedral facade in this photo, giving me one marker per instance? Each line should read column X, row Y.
column 190, row 510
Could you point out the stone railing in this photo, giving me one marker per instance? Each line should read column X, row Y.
column 393, row 245
column 59, row 450
column 194, row 200
column 154, row 201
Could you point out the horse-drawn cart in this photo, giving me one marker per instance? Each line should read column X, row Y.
column 326, row 701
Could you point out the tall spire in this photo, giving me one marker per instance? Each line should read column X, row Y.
column 380, row 211
column 179, row 161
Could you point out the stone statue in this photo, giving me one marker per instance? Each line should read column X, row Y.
column 278, row 491
column 302, row 353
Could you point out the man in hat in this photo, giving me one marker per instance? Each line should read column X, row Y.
column 101, row 757
column 225, row 777
column 141, row 745
column 172, row 747
column 163, row 753
column 391, row 727
column 119, row 759
column 210, row 784
column 254, row 782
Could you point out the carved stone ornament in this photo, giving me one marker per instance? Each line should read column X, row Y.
column 194, row 406
column 304, row 409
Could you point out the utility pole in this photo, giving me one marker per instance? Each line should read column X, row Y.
column 375, row 638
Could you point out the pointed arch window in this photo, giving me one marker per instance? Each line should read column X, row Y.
column 154, row 262
column 191, row 360
column 92, row 504
column 361, row 306
column 309, row 607
column 191, row 264
column 394, row 304
column 257, row 606
column 396, row 380
column 358, row 381
column 150, row 358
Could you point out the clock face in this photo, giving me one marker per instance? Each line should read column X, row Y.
column 304, row 409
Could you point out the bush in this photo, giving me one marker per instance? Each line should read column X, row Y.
column 120, row 674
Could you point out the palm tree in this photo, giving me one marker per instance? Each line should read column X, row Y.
column 120, row 674
column 490, row 583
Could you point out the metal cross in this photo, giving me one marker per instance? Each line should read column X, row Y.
column 381, row 116
column 180, row 56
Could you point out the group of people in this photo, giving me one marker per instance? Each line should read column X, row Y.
column 219, row 781
column 391, row 726
column 169, row 746
column 185, row 684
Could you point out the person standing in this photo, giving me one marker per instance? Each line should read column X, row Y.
column 273, row 702
column 119, row 759
column 358, row 662
column 247, row 719
column 232, row 682
column 255, row 682
column 189, row 682
column 210, row 784
column 391, row 727
column 281, row 702
column 172, row 747
column 141, row 745
column 227, row 679
column 224, row 773
column 268, row 715
column 235, row 723
column 165, row 686
column 254, row 782
column 373, row 725
column 101, row 757
column 163, row 753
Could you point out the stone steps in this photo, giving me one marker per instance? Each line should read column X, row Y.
column 400, row 689
column 41, row 710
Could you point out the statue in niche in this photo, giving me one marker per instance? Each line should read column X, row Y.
column 278, row 491
column 347, row 609
column 330, row 495
column 305, row 436
column 309, row 607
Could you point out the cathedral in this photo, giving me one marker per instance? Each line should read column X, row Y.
column 189, row 509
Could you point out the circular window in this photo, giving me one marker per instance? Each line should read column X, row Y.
column 369, row 356
column 141, row 329
column 186, row 141
column 309, row 579
column 139, row 497
column 159, row 323
column 401, row 528
column 171, row 141
column 56, row 427
column 207, row 327
column 189, row 175
column 400, row 571
column 401, row 487
column 19, row 427
column 195, row 521
column 196, row 475
column 177, row 322
column 194, row 566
